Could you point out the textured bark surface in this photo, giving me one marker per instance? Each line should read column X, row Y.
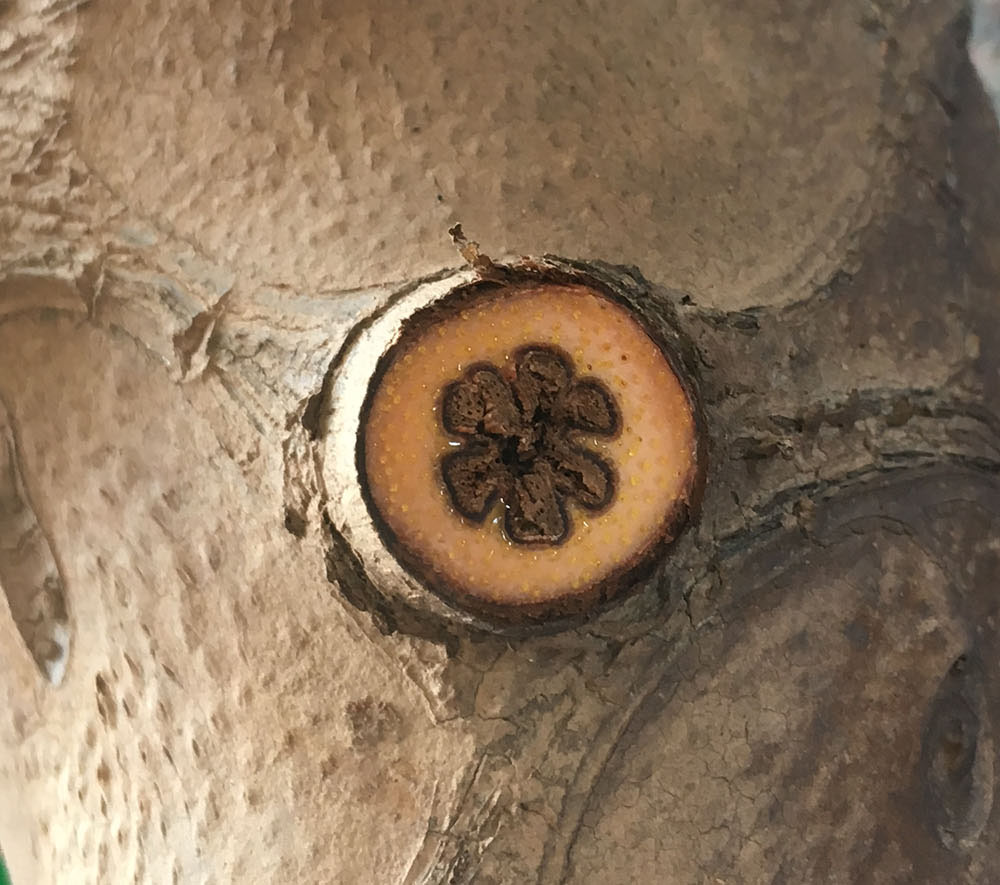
column 200, row 201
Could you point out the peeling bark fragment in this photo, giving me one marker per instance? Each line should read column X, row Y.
column 29, row 575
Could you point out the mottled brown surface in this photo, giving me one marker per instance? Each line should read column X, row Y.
column 807, row 692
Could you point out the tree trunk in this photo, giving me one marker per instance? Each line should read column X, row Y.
column 204, row 207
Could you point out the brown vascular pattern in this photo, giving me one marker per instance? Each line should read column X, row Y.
column 595, row 470
column 520, row 445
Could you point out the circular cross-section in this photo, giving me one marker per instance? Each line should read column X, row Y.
column 527, row 449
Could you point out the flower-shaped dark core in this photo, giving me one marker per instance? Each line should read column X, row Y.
column 520, row 444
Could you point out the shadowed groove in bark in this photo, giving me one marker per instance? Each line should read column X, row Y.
column 29, row 575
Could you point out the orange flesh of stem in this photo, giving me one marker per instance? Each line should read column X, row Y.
column 653, row 454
